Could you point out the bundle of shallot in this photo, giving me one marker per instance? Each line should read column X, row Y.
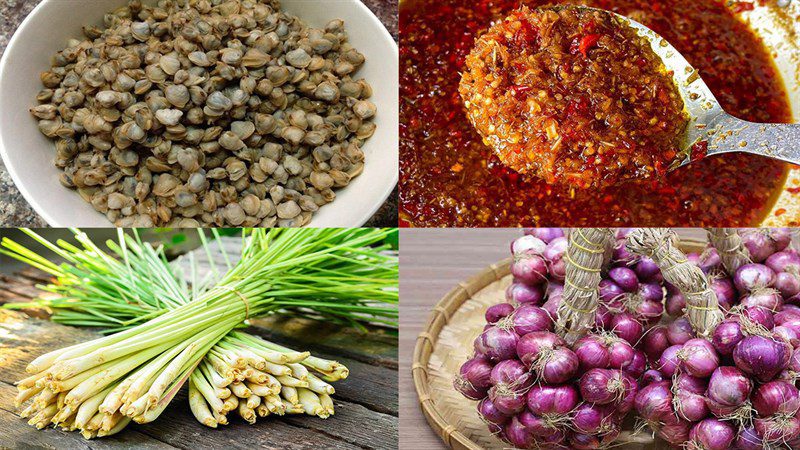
column 727, row 374
column 544, row 374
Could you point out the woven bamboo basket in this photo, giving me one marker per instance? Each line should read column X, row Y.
column 444, row 345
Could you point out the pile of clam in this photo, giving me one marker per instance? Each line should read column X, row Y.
column 207, row 113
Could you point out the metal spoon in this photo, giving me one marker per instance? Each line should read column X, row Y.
column 710, row 128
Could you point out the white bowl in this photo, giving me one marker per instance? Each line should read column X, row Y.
column 28, row 155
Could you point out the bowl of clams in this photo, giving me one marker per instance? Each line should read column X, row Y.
column 201, row 113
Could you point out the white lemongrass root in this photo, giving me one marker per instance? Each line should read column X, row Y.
column 290, row 394
column 199, row 407
column 287, row 380
column 310, row 402
column 298, row 371
column 319, row 386
column 327, row 402
column 240, row 390
column 246, row 412
column 262, row 410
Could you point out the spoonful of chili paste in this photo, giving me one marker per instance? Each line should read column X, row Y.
column 588, row 98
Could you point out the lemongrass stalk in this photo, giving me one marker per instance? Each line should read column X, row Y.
column 319, row 386
column 68, row 424
column 231, row 359
column 310, row 402
column 99, row 381
column 211, row 374
column 199, row 407
column 95, row 422
column 186, row 370
column 259, row 389
column 254, row 360
column 299, row 371
column 143, row 378
column 201, row 385
column 45, row 397
column 264, row 348
column 222, row 393
column 122, row 423
column 221, row 368
column 240, row 390
column 327, row 402
column 68, row 384
column 292, row 408
column 87, row 434
column 242, row 354
column 275, row 405
column 247, row 413
column 30, row 381
column 287, row 380
column 255, row 376
column 136, row 407
column 230, row 404
column 170, row 373
column 42, row 418
column 180, row 332
column 62, row 415
column 273, row 383
column 31, row 409
column 110, row 421
column 113, row 401
column 290, row 394
column 269, row 355
column 262, row 410
column 154, row 412
column 325, row 366
column 25, row 394
column 44, row 362
column 171, row 324
column 253, row 401
column 277, row 370
column 221, row 418
column 90, row 407
column 59, row 398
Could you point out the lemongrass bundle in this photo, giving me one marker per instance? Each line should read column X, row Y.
column 101, row 385
column 262, row 381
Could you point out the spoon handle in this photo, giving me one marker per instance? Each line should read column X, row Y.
column 773, row 140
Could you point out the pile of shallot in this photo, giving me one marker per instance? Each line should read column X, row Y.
column 535, row 390
column 737, row 389
column 733, row 388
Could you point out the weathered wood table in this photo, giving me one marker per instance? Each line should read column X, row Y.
column 366, row 402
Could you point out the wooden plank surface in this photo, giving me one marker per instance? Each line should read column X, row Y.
column 366, row 402
column 432, row 262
